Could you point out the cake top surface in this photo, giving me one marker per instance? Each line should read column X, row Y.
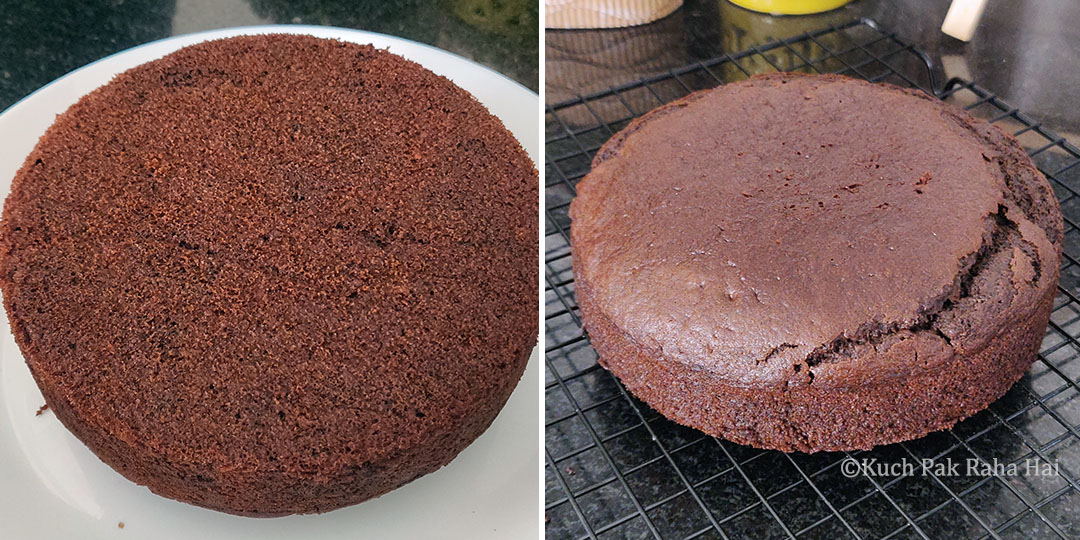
column 748, row 228
column 275, row 252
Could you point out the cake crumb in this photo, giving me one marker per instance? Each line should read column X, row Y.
column 42, row 409
column 120, row 525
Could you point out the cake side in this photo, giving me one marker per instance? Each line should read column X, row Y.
column 267, row 491
column 807, row 418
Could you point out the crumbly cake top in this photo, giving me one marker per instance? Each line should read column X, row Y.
column 274, row 252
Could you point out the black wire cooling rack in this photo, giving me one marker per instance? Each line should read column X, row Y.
column 617, row 469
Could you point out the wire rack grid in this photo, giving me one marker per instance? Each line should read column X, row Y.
column 617, row 469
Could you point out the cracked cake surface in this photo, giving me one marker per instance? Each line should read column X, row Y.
column 274, row 274
column 771, row 260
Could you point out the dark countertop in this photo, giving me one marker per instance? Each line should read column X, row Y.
column 40, row 41
column 1026, row 52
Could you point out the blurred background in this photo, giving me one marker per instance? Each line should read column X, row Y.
column 42, row 40
column 1026, row 52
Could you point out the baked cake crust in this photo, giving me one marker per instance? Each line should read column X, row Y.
column 814, row 262
column 274, row 274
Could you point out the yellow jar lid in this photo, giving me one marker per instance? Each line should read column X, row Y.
column 790, row 7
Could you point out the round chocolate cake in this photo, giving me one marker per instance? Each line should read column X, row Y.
column 274, row 274
column 814, row 262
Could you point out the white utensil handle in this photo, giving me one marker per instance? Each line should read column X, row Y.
column 962, row 18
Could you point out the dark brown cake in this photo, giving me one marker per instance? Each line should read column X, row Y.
column 275, row 274
column 814, row 262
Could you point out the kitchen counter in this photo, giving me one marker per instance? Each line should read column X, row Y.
column 1026, row 52
column 40, row 41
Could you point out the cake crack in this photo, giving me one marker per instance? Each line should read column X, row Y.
column 774, row 351
column 1000, row 229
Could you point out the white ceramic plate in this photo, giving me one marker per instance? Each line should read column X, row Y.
column 51, row 486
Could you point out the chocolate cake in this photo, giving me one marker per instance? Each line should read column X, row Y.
column 274, row 274
column 815, row 263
